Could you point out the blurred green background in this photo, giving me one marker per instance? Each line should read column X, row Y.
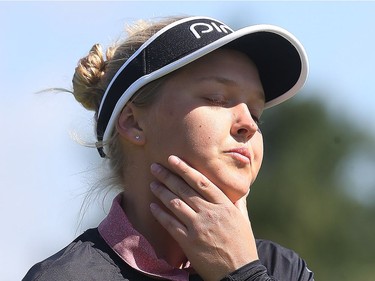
column 305, row 198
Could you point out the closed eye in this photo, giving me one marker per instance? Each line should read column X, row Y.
column 217, row 101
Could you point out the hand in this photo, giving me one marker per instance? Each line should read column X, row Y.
column 214, row 233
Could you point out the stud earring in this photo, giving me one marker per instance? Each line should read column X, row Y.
column 137, row 137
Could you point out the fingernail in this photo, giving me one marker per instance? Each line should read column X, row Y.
column 153, row 207
column 155, row 168
column 153, row 185
column 174, row 159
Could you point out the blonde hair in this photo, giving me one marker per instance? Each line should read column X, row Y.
column 94, row 73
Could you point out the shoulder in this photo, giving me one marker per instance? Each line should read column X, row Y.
column 282, row 263
column 86, row 258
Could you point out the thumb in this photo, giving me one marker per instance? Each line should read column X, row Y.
column 241, row 205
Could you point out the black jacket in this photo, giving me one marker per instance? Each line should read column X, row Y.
column 89, row 258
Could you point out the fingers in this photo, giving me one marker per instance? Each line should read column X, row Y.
column 177, row 230
column 194, row 179
column 242, row 207
column 199, row 216
column 175, row 185
column 182, row 211
column 241, row 204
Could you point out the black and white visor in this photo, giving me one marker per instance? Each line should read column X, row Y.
column 280, row 58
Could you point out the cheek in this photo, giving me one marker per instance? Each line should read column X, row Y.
column 200, row 131
column 167, row 130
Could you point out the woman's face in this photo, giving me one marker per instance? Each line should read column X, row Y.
column 207, row 114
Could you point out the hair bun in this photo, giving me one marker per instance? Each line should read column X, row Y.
column 87, row 76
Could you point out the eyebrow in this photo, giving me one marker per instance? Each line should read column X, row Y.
column 218, row 79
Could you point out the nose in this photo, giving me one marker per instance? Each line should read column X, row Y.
column 244, row 125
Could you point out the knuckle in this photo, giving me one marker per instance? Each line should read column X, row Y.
column 212, row 217
column 175, row 203
column 203, row 183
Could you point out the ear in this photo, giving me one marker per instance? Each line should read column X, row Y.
column 128, row 125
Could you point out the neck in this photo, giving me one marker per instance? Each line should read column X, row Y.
column 136, row 204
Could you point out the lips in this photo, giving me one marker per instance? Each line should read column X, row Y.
column 241, row 154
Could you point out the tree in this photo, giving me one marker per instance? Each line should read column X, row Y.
column 298, row 199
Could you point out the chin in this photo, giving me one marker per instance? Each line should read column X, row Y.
column 236, row 194
column 235, row 188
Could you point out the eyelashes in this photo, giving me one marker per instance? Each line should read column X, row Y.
column 217, row 101
column 221, row 101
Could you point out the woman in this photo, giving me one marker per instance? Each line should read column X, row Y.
column 177, row 106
